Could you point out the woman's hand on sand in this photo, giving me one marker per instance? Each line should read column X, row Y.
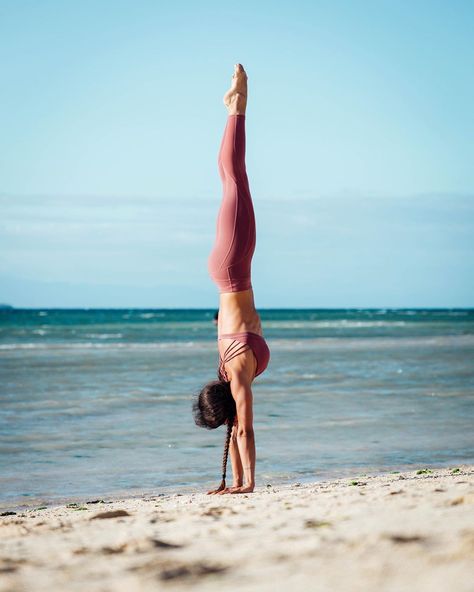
column 241, row 489
column 236, row 485
column 230, row 489
column 215, row 491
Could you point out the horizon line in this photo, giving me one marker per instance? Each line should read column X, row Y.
column 4, row 307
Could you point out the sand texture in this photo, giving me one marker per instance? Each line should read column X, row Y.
column 389, row 532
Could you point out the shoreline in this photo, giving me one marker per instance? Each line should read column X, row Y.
column 390, row 531
column 20, row 505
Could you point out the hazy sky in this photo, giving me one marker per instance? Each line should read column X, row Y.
column 360, row 150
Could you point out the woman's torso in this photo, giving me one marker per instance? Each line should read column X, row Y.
column 237, row 315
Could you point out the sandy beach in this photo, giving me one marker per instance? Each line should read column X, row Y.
column 394, row 531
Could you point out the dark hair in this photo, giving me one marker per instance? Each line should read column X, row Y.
column 213, row 407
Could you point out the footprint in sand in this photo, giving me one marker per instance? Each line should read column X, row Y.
column 191, row 570
column 406, row 538
column 176, row 570
column 111, row 514
column 164, row 545
column 316, row 523
column 218, row 511
column 114, row 550
column 8, row 565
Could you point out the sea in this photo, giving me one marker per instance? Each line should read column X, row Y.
column 98, row 403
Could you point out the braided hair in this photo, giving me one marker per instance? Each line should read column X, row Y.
column 225, row 456
column 213, row 407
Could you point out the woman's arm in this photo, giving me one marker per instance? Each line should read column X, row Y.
column 242, row 393
column 237, row 469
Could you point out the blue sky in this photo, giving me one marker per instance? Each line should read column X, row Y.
column 359, row 151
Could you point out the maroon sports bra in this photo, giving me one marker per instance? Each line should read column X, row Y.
column 242, row 342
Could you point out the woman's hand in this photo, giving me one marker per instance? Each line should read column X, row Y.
column 218, row 490
column 229, row 489
column 240, row 489
column 221, row 489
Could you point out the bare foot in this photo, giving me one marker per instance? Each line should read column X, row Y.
column 235, row 99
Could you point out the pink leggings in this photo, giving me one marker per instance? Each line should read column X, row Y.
column 230, row 260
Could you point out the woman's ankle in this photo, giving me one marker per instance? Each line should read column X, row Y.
column 237, row 105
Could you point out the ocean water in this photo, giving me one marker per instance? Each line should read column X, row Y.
column 96, row 403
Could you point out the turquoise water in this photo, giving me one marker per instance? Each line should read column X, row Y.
column 98, row 402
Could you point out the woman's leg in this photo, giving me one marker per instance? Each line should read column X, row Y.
column 231, row 159
column 230, row 260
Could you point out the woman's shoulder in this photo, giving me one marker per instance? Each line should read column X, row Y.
column 243, row 365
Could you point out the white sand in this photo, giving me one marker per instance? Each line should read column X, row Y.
column 391, row 532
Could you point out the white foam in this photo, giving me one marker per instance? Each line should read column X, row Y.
column 104, row 335
column 340, row 324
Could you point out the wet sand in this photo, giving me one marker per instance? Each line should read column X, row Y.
column 389, row 532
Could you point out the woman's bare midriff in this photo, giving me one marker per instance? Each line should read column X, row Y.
column 237, row 313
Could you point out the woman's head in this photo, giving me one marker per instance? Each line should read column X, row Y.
column 213, row 407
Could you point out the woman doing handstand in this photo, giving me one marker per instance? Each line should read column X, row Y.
column 243, row 352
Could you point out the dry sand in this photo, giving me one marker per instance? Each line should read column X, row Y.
column 389, row 532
